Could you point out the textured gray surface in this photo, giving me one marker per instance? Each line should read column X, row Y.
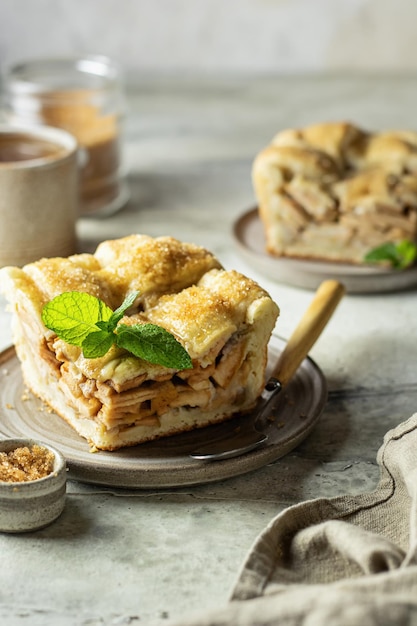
column 123, row 557
column 213, row 35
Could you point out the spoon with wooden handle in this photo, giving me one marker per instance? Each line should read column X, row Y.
column 308, row 330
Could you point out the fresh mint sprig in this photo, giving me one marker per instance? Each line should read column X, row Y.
column 85, row 321
column 399, row 255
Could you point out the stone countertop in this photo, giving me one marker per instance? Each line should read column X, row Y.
column 124, row 557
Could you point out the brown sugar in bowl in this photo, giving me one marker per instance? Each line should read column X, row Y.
column 32, row 485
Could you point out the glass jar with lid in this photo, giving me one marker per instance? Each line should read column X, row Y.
column 84, row 96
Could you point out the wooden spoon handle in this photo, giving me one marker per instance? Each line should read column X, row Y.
column 310, row 327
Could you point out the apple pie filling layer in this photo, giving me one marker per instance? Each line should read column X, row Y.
column 220, row 383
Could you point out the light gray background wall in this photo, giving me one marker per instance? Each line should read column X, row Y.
column 217, row 35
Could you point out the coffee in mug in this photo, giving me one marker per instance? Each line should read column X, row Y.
column 39, row 199
column 16, row 147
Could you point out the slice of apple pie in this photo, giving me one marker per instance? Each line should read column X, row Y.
column 334, row 192
column 223, row 320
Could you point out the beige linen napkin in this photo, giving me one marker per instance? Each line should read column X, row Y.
column 349, row 560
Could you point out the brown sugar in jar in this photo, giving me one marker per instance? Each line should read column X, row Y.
column 26, row 463
column 33, row 477
column 84, row 97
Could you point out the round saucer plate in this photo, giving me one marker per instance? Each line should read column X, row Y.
column 249, row 237
column 166, row 462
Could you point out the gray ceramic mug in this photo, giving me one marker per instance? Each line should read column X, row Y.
column 38, row 194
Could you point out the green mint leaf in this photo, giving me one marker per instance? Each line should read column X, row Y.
column 110, row 324
column 386, row 252
column 399, row 255
column 153, row 344
column 85, row 321
column 106, row 326
column 73, row 315
column 408, row 252
column 119, row 312
column 96, row 344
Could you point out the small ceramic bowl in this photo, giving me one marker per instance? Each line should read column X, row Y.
column 30, row 505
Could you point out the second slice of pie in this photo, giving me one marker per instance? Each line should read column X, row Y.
column 334, row 192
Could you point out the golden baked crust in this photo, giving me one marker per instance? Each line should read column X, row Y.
column 223, row 319
column 333, row 191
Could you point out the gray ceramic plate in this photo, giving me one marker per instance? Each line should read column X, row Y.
column 250, row 240
column 167, row 462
